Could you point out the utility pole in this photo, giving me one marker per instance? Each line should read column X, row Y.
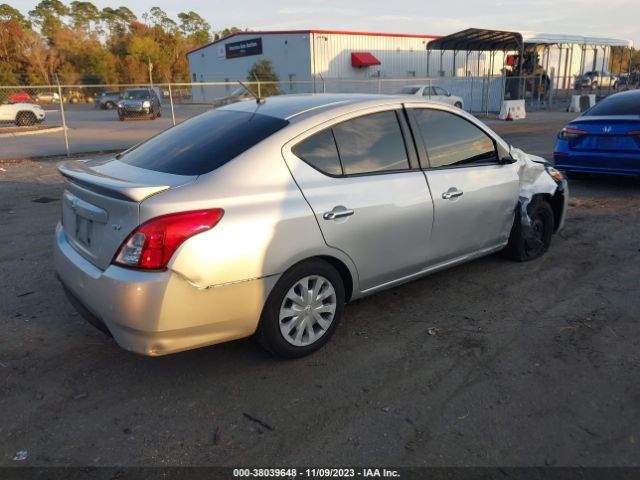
column 150, row 72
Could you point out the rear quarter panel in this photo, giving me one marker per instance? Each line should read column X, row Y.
column 267, row 226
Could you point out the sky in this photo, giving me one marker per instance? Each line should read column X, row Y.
column 600, row 18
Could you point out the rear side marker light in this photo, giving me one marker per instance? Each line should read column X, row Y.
column 152, row 244
column 571, row 133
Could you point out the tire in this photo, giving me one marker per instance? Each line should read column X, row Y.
column 159, row 114
column 24, row 119
column 307, row 275
column 109, row 105
column 529, row 243
column 594, row 85
column 152, row 115
column 458, row 105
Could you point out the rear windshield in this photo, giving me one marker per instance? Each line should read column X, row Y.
column 203, row 143
column 624, row 104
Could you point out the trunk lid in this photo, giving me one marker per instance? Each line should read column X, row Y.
column 607, row 134
column 101, row 200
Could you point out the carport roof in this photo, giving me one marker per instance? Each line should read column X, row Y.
column 477, row 39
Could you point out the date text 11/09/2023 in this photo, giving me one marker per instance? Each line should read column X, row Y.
column 291, row 473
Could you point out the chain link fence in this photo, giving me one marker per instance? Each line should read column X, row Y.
column 71, row 119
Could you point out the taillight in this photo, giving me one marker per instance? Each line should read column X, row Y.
column 635, row 133
column 152, row 244
column 570, row 133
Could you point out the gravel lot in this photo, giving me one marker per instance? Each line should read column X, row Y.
column 531, row 364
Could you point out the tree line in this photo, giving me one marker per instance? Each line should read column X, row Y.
column 82, row 44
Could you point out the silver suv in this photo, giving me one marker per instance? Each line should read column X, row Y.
column 266, row 218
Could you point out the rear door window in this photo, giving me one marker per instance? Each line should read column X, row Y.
column 371, row 143
column 203, row 143
column 452, row 141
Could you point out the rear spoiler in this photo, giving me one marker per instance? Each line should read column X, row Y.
column 83, row 176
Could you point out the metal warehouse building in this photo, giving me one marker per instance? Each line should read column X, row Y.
column 340, row 61
column 304, row 57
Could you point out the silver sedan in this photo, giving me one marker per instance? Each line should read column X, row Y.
column 266, row 218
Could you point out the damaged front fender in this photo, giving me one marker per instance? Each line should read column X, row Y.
column 536, row 180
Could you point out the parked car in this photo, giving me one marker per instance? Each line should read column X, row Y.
column 596, row 79
column 22, row 114
column 604, row 139
column 47, row 97
column 438, row 94
column 22, row 97
column 140, row 102
column 266, row 218
column 629, row 81
column 108, row 100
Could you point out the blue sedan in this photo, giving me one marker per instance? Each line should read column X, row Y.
column 604, row 139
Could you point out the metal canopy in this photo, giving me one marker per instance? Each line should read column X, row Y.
column 477, row 39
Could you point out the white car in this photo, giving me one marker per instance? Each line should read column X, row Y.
column 438, row 94
column 22, row 114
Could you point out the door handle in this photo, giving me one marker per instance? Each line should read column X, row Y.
column 452, row 193
column 335, row 215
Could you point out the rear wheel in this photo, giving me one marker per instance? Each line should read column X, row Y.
column 303, row 310
column 458, row 104
column 24, row 119
column 530, row 239
column 109, row 105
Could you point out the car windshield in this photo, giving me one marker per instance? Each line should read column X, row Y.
column 621, row 104
column 203, row 143
column 409, row 90
column 137, row 95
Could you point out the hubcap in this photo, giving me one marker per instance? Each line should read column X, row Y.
column 307, row 311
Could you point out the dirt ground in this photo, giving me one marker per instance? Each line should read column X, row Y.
column 530, row 364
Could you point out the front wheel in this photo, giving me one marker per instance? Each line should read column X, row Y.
column 25, row 119
column 303, row 310
column 458, row 105
column 530, row 238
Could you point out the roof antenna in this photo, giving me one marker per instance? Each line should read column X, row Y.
column 259, row 100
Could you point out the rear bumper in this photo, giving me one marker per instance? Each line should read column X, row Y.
column 598, row 163
column 156, row 313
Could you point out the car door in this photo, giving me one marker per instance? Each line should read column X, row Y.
column 474, row 192
column 361, row 178
column 441, row 95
